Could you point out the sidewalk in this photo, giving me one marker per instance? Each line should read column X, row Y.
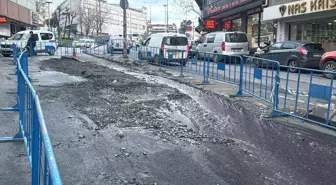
column 14, row 165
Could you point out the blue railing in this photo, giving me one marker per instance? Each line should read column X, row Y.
column 32, row 128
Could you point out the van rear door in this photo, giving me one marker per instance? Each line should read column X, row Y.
column 175, row 45
column 236, row 42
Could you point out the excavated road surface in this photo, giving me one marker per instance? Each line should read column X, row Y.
column 139, row 128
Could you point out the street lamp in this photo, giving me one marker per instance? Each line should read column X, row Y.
column 48, row 2
column 166, row 12
column 150, row 9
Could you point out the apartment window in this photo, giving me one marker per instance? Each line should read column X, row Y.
column 115, row 22
column 141, row 27
column 135, row 26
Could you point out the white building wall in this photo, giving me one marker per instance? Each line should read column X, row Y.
column 30, row 4
column 136, row 18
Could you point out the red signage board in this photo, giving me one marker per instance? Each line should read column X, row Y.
column 223, row 5
column 189, row 28
column 3, row 20
column 210, row 24
column 227, row 25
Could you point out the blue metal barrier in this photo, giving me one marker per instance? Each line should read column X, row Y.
column 314, row 98
column 32, row 129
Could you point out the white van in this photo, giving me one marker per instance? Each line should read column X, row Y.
column 172, row 45
column 45, row 42
column 226, row 43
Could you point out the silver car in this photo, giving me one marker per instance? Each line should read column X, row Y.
column 226, row 43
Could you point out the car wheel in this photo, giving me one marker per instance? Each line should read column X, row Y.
column 293, row 63
column 6, row 55
column 329, row 66
column 52, row 52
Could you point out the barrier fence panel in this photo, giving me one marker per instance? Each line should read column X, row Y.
column 307, row 95
column 32, row 129
column 261, row 78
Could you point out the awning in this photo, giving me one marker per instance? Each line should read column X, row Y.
column 225, row 8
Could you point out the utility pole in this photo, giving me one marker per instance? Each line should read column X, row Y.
column 124, row 5
column 167, row 16
column 150, row 10
column 48, row 2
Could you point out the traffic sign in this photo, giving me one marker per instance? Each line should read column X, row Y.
column 189, row 22
column 124, row 4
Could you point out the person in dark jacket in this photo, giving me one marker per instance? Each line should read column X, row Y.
column 31, row 43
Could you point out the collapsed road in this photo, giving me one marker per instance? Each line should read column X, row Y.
column 133, row 127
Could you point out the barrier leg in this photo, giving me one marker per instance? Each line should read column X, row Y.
column 182, row 64
column 205, row 79
column 17, row 137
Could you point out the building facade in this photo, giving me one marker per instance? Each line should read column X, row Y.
column 93, row 15
column 309, row 20
column 162, row 28
column 239, row 15
column 15, row 16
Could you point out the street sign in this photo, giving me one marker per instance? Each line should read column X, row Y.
column 124, row 4
column 189, row 22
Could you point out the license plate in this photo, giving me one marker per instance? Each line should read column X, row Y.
column 236, row 50
column 317, row 55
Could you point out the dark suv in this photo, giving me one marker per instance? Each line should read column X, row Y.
column 293, row 53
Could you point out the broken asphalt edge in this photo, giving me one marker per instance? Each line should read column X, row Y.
column 317, row 114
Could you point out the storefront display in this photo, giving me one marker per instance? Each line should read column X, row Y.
column 307, row 20
column 234, row 15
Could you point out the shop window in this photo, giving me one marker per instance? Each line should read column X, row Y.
column 253, row 31
column 236, row 24
column 267, row 31
column 318, row 31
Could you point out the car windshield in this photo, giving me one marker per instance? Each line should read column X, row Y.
column 235, row 37
column 18, row 36
column 175, row 41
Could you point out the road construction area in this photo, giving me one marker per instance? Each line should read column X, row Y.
column 125, row 124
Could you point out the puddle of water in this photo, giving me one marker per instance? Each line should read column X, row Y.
column 54, row 78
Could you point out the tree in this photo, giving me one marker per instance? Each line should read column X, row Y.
column 72, row 16
column 183, row 27
column 187, row 6
column 103, row 14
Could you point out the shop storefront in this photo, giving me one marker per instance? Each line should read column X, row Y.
column 241, row 15
column 307, row 20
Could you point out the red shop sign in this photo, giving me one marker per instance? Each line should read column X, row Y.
column 210, row 24
column 227, row 25
column 3, row 20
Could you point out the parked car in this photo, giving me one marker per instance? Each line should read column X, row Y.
column 293, row 53
column 328, row 63
column 226, row 43
column 169, row 44
column 88, row 43
column 192, row 48
column 116, row 43
column 45, row 42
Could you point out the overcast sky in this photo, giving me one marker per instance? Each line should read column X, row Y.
column 175, row 15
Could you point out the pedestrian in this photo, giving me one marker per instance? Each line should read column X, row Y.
column 31, row 43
